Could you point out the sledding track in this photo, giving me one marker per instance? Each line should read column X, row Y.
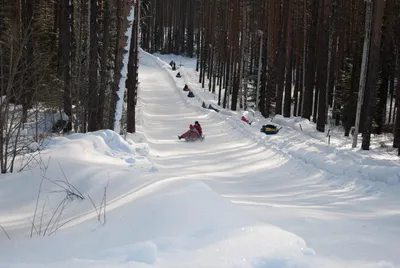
column 266, row 183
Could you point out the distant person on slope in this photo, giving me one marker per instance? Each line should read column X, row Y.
column 190, row 94
column 194, row 131
column 245, row 119
column 173, row 65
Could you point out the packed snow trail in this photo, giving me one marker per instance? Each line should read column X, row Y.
column 336, row 218
column 150, row 200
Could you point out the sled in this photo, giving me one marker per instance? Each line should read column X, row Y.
column 270, row 129
column 189, row 138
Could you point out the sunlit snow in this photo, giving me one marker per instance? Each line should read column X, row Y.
column 237, row 199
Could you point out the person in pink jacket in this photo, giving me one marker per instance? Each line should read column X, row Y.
column 195, row 131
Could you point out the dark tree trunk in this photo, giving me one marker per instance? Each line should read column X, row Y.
column 93, row 68
column 282, row 57
column 396, row 141
column 322, row 73
column 297, row 86
column 104, row 64
column 289, row 61
column 132, row 81
column 310, row 69
column 370, row 96
column 65, row 40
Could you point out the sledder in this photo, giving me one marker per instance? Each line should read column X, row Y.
column 244, row 119
column 270, row 129
column 194, row 133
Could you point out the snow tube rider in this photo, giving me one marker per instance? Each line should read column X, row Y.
column 193, row 133
column 190, row 94
column 270, row 129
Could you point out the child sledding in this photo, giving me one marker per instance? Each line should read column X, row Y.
column 187, row 89
column 194, row 133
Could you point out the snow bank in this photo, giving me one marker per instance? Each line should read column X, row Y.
column 339, row 161
column 103, row 145
column 336, row 161
column 85, row 165
column 170, row 224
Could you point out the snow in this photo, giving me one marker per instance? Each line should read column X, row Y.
column 45, row 124
column 238, row 199
column 124, row 73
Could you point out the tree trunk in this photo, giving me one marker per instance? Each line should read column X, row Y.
column 133, row 67
column 396, row 141
column 282, row 57
column 322, row 74
column 93, row 68
column 65, row 40
column 125, row 46
column 372, row 72
column 297, row 91
column 119, row 48
column 310, row 69
column 387, row 54
column 104, row 64
column 289, row 62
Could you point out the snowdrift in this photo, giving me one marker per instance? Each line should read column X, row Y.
column 171, row 223
column 69, row 180
column 338, row 160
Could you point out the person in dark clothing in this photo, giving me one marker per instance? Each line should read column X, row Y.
column 173, row 65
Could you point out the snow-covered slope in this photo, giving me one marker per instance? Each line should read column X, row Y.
column 238, row 199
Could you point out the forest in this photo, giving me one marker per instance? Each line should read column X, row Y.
column 318, row 59
column 335, row 62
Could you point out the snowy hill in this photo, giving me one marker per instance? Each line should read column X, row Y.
column 238, row 199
